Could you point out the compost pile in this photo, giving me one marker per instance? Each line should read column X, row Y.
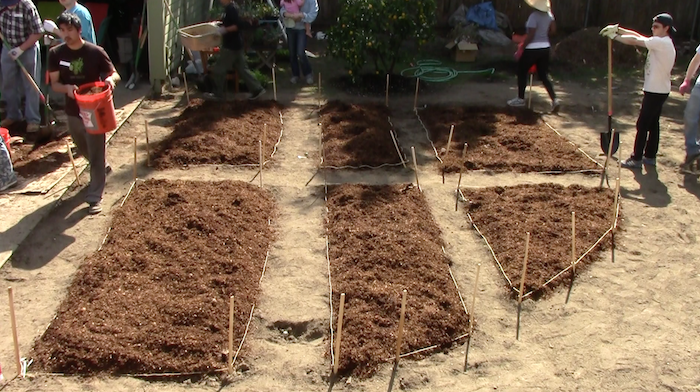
column 586, row 48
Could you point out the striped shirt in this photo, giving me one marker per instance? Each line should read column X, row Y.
column 18, row 23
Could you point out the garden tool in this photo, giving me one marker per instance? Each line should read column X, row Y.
column 143, row 33
column 605, row 137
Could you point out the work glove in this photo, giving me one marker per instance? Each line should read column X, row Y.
column 15, row 53
column 50, row 26
column 519, row 53
column 685, row 87
column 222, row 30
column 610, row 31
column 110, row 82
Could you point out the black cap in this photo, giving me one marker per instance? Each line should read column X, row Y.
column 666, row 20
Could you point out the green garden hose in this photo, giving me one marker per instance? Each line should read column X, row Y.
column 432, row 71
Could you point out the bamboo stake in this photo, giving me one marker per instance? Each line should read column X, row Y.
column 573, row 254
column 148, row 146
column 230, row 335
column 471, row 317
column 274, row 82
column 72, row 162
column 399, row 338
column 187, row 90
column 135, row 160
column 396, row 144
column 261, row 163
column 319, row 86
column 415, row 99
column 449, row 139
column 339, row 333
column 264, row 139
column 529, row 95
column 13, row 322
column 607, row 159
column 614, row 224
column 386, row 98
column 415, row 166
column 522, row 285
column 459, row 182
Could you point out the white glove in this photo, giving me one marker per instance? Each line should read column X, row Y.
column 610, row 31
column 50, row 26
column 109, row 81
column 222, row 30
column 15, row 53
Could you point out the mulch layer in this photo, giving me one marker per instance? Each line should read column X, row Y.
column 383, row 240
column 30, row 161
column 505, row 214
column 586, row 48
column 355, row 135
column 500, row 139
column 155, row 298
column 210, row 132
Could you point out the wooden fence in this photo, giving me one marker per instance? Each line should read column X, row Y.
column 571, row 14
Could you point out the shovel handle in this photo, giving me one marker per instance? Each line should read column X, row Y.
column 610, row 104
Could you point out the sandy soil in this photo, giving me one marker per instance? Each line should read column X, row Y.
column 631, row 325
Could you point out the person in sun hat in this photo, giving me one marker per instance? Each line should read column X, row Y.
column 661, row 57
column 22, row 28
column 535, row 50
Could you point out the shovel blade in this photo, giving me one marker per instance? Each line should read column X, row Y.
column 605, row 142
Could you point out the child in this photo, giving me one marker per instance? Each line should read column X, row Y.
column 293, row 7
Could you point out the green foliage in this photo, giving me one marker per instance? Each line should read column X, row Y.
column 264, row 79
column 257, row 10
column 374, row 31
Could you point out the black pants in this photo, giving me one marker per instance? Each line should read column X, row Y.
column 646, row 143
column 539, row 57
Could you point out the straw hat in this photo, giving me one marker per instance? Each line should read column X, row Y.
column 541, row 5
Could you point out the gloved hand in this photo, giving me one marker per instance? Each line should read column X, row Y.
column 610, row 31
column 222, row 30
column 16, row 52
column 685, row 87
column 50, row 26
column 519, row 53
column 110, row 82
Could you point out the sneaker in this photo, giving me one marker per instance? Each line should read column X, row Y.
column 10, row 184
column 649, row 161
column 555, row 106
column 94, row 208
column 6, row 123
column 32, row 128
column 516, row 102
column 310, row 79
column 294, row 79
column 257, row 94
column 690, row 166
column 631, row 163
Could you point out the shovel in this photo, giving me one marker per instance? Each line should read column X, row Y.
column 609, row 140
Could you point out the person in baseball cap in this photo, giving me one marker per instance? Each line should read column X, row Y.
column 666, row 20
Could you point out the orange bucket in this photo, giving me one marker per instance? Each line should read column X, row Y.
column 96, row 107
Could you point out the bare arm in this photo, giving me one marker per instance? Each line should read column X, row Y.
column 693, row 67
column 624, row 31
column 30, row 42
column 633, row 40
column 552, row 28
column 59, row 87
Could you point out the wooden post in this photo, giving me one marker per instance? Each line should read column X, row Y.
column 229, row 364
column 13, row 322
column 522, row 285
column 614, row 224
column 459, row 182
column 274, row 82
column 386, row 98
column 415, row 99
column 264, row 138
column 471, row 317
column 399, row 336
column 610, row 109
column 529, row 95
column 449, row 140
column 339, row 333
column 148, row 145
column 415, row 166
column 573, row 254
column 187, row 90
column 319, row 85
column 607, row 159
column 72, row 162
column 396, row 144
column 135, row 159
column 261, row 164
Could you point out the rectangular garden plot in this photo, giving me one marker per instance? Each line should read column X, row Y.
column 357, row 136
column 501, row 139
column 155, row 298
column 221, row 133
column 504, row 215
column 383, row 240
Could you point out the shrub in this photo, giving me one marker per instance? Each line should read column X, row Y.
column 374, row 31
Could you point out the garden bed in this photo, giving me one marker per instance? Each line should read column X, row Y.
column 383, row 240
column 155, row 298
column 501, row 140
column 357, row 135
column 220, row 133
column 504, row 215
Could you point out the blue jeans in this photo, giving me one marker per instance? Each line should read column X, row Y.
column 297, row 52
column 692, row 121
column 13, row 79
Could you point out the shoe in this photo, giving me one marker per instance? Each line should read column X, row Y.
column 257, row 94
column 94, row 208
column 631, row 163
column 6, row 123
column 555, row 106
column 294, row 79
column 649, row 161
column 10, row 184
column 516, row 102
column 108, row 169
column 690, row 166
column 32, row 128
column 310, row 79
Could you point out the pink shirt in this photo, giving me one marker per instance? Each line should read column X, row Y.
column 292, row 6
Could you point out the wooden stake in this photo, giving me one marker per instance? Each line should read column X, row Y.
column 386, row 98
column 449, row 140
column 573, row 254
column 261, row 163
column 187, row 90
column 459, row 182
column 230, row 335
column 339, row 333
column 319, row 85
column 522, row 285
column 471, row 317
column 614, row 224
column 529, row 95
column 274, row 82
column 13, row 322
column 415, row 99
column 72, row 162
column 399, row 336
column 135, row 160
column 264, row 139
column 415, row 166
column 396, row 144
column 148, row 146
column 607, row 159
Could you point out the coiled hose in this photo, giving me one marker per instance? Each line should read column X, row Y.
column 432, row 71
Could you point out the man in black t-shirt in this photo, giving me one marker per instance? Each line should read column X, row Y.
column 231, row 54
column 71, row 65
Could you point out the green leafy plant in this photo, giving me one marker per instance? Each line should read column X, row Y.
column 257, row 10
column 374, row 31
